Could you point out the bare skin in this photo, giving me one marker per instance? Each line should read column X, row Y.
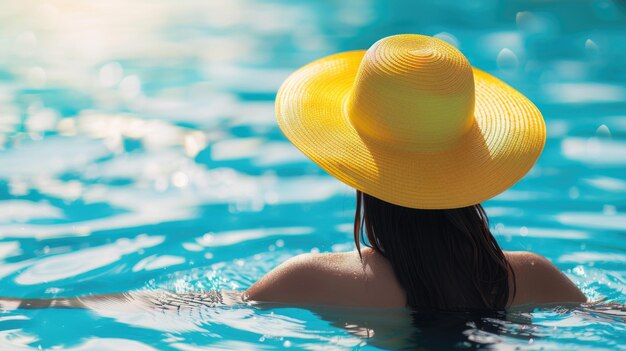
column 341, row 279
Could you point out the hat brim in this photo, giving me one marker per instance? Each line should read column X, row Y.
column 502, row 145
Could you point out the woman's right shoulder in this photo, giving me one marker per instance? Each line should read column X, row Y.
column 538, row 281
column 297, row 280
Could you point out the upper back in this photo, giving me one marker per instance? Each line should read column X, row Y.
column 343, row 279
column 332, row 279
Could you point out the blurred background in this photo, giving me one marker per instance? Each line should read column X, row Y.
column 139, row 150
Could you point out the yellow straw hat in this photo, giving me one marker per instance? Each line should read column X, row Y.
column 411, row 122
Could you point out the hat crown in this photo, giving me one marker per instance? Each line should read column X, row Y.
column 413, row 90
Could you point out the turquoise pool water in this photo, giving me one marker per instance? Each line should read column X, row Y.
column 138, row 150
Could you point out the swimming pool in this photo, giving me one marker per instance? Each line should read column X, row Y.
column 138, row 150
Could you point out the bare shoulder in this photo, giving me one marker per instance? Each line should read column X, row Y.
column 329, row 279
column 538, row 281
column 291, row 280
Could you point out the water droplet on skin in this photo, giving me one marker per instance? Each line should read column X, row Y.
column 507, row 60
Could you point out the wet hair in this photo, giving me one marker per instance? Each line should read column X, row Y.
column 446, row 260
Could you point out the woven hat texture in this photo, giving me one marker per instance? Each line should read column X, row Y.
column 411, row 122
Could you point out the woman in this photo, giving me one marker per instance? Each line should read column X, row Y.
column 424, row 138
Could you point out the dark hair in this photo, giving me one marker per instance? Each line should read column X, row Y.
column 445, row 260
